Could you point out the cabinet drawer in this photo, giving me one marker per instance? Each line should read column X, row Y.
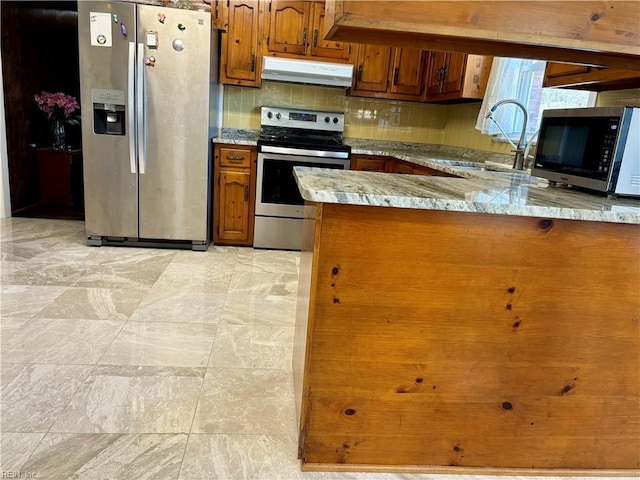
column 368, row 163
column 235, row 157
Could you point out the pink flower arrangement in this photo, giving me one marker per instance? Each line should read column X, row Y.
column 58, row 106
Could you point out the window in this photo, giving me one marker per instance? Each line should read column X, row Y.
column 521, row 80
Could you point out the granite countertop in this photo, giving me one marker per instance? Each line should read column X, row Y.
column 412, row 152
column 237, row 136
column 488, row 184
column 501, row 193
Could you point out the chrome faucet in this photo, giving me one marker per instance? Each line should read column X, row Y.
column 519, row 160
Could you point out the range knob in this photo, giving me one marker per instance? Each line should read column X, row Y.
column 335, row 120
column 278, row 115
column 327, row 119
column 269, row 114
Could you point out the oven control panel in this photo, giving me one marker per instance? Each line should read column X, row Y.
column 296, row 118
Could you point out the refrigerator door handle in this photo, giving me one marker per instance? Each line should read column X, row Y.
column 131, row 106
column 141, row 111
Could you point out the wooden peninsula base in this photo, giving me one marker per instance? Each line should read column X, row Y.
column 461, row 342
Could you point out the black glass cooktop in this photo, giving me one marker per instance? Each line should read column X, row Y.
column 300, row 138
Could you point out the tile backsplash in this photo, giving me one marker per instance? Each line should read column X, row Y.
column 452, row 125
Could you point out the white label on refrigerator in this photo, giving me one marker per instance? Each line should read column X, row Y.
column 100, row 29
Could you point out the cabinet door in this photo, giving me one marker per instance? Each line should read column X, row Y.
column 476, row 76
column 437, row 70
column 240, row 44
column 372, row 68
column 218, row 14
column 234, row 193
column 319, row 46
column 398, row 166
column 454, row 72
column 407, row 71
column 288, row 27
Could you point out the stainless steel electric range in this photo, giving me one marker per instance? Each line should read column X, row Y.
column 288, row 138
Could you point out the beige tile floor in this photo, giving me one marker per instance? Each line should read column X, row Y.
column 144, row 363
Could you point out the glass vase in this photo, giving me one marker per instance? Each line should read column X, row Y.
column 59, row 135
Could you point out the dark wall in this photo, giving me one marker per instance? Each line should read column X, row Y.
column 39, row 52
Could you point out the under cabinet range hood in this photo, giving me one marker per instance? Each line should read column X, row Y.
column 307, row 71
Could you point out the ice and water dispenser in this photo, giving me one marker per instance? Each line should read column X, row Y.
column 108, row 112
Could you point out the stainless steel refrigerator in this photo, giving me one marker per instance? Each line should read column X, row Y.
column 149, row 98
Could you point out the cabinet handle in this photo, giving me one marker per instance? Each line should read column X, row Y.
column 315, row 38
column 396, row 71
column 443, row 74
column 360, row 68
column 246, row 193
column 370, row 169
column 304, row 36
column 253, row 63
column 234, row 158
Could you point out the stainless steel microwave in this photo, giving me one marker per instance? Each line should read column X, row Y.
column 595, row 148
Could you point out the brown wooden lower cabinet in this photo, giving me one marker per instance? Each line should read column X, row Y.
column 234, row 195
column 398, row 166
column 460, row 342
column 422, row 170
column 381, row 163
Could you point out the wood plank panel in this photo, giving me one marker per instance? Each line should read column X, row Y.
column 446, row 415
column 514, row 340
column 592, row 32
column 454, row 452
column 444, row 377
column 304, row 305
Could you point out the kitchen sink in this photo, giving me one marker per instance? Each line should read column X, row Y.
column 457, row 163
column 467, row 165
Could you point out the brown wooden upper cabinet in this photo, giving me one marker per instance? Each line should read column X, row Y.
column 407, row 72
column 241, row 23
column 371, row 70
column 385, row 72
column 296, row 29
column 417, row 75
column 589, row 78
column 321, row 47
column 457, row 76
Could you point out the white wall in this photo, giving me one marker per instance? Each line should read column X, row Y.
column 5, row 199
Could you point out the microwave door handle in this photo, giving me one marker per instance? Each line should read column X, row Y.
column 131, row 114
column 141, row 111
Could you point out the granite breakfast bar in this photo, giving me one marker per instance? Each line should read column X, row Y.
column 467, row 325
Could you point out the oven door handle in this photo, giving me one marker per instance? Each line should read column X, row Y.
column 303, row 151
